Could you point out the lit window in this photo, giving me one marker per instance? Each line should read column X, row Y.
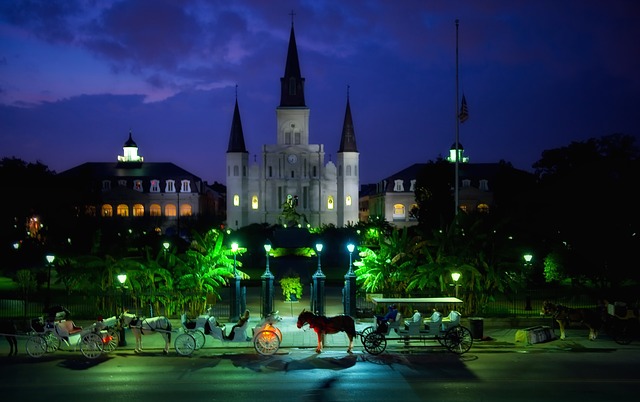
column 236, row 200
column 254, row 202
column 483, row 208
column 137, row 185
column 170, row 210
column 398, row 212
column 90, row 210
column 123, row 210
column 107, row 211
column 185, row 186
column 348, row 200
column 155, row 186
column 170, row 187
column 155, row 210
column 185, row 210
column 398, row 185
column 138, row 210
column 330, row 202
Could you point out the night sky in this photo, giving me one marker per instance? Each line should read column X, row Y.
column 77, row 76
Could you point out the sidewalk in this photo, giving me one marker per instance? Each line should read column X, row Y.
column 495, row 333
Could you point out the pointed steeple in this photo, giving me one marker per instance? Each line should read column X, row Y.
column 348, row 140
column 236, row 137
column 292, row 84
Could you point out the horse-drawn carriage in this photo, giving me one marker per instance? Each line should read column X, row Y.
column 266, row 336
column 52, row 332
column 447, row 332
column 623, row 322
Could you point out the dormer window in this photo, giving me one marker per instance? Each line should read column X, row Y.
column 466, row 183
column 137, row 185
column 412, row 188
column 106, row 185
column 484, row 185
column 185, row 186
column 398, row 185
column 122, row 183
column 170, row 187
column 155, row 186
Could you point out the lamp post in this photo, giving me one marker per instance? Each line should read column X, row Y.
column 50, row 258
column 235, row 290
column 318, row 285
column 267, row 284
column 527, row 264
column 349, row 301
column 165, row 246
column 122, row 278
column 455, row 276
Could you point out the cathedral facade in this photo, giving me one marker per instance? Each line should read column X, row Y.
column 292, row 174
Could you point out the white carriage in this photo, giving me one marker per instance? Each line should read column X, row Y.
column 48, row 336
column 266, row 336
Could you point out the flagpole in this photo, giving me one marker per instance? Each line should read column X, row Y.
column 457, row 156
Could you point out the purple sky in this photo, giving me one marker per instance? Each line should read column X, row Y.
column 76, row 76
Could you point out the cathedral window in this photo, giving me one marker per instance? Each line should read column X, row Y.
column 138, row 210
column 348, row 170
column 185, row 186
column 348, row 200
column 236, row 170
column 287, row 137
column 137, row 185
column 236, row 200
column 297, row 137
column 254, row 202
column 123, row 210
column 107, row 211
column 155, row 186
column 398, row 185
column 330, row 202
column 355, row 170
column 270, row 171
column 315, row 171
column 170, row 210
column 170, row 187
column 155, row 210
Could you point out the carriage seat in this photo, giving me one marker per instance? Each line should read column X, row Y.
column 452, row 320
column 434, row 327
column 66, row 328
column 396, row 324
column 240, row 333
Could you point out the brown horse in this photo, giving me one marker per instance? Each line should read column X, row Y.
column 565, row 315
column 328, row 325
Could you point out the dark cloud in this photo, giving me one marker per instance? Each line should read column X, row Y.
column 47, row 19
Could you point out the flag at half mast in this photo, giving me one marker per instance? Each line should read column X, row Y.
column 464, row 110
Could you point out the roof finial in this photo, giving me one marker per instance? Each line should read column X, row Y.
column 236, row 91
column 292, row 14
column 348, row 86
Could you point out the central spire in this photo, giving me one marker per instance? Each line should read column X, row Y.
column 292, row 84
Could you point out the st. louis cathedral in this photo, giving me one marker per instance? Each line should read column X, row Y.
column 292, row 171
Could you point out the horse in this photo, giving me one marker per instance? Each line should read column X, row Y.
column 144, row 326
column 565, row 315
column 8, row 329
column 328, row 325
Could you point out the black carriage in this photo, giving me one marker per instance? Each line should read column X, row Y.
column 447, row 332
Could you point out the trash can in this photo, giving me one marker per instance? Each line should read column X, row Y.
column 477, row 327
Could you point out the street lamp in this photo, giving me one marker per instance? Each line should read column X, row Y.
column 234, row 248
column 527, row 264
column 267, row 249
column 50, row 258
column 350, row 247
column 319, row 251
column 122, row 278
column 455, row 276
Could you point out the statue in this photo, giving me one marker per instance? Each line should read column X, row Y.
column 289, row 215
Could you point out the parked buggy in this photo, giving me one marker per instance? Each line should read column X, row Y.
column 448, row 333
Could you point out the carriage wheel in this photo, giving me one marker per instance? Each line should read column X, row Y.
column 91, row 345
column 36, row 346
column 375, row 343
column 458, row 339
column 185, row 344
column 53, row 342
column 363, row 334
column 113, row 343
column 199, row 337
column 267, row 342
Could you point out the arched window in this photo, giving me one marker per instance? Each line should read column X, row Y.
column 348, row 200
column 398, row 212
column 170, row 210
column 155, row 210
column 330, row 202
column 254, row 202
column 107, row 211
column 185, row 210
column 138, row 210
column 123, row 210
column 236, row 200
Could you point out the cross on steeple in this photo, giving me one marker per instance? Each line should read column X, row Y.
column 292, row 14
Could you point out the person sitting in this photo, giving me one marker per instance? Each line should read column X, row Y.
column 435, row 317
column 241, row 322
column 417, row 317
column 392, row 313
column 212, row 323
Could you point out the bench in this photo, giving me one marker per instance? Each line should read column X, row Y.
column 66, row 328
column 452, row 320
